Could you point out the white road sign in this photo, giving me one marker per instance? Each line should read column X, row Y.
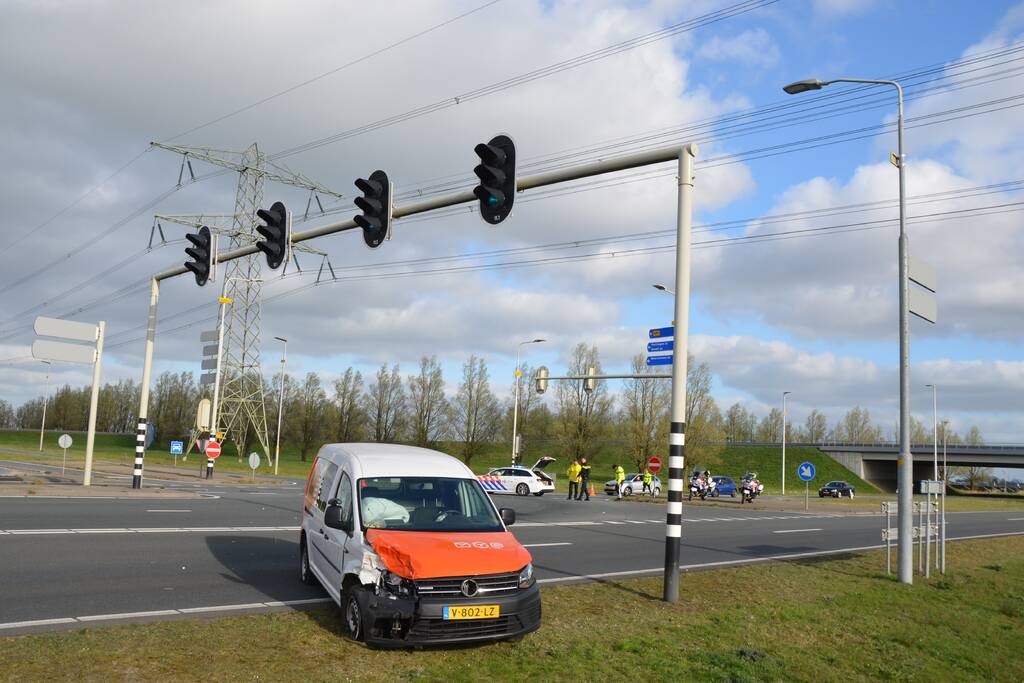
column 254, row 460
column 64, row 441
column 203, row 416
column 66, row 329
column 45, row 349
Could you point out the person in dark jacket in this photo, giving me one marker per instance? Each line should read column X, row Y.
column 584, row 492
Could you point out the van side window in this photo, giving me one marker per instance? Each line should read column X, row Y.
column 323, row 490
column 312, row 486
column 344, row 497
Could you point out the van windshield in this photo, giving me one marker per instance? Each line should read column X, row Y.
column 425, row 504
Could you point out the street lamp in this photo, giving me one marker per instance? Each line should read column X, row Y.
column 280, row 403
column 784, row 395
column 46, row 395
column 515, row 408
column 935, row 428
column 663, row 288
column 904, row 462
column 945, row 435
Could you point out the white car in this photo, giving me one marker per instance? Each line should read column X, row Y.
column 519, row 479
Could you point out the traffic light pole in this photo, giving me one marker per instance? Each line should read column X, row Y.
column 677, row 426
column 684, row 155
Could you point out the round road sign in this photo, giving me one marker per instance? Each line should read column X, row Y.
column 654, row 463
column 806, row 471
column 64, row 441
column 254, row 461
column 213, row 450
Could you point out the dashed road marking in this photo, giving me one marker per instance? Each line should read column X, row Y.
column 145, row 530
column 794, row 531
column 543, row 545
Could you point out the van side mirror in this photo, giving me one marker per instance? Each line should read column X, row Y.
column 333, row 517
column 508, row 515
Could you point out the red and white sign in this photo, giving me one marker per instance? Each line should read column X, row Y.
column 654, row 463
column 213, row 450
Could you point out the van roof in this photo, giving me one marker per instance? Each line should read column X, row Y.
column 393, row 460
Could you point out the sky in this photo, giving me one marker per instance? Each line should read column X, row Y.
column 794, row 277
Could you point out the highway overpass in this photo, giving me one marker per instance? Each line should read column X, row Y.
column 876, row 463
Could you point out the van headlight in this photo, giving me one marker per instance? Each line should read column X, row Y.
column 395, row 584
column 526, row 576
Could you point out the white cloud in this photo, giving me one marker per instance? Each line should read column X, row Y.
column 839, row 8
column 753, row 47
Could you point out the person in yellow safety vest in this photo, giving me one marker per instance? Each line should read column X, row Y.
column 574, row 479
column 620, row 476
column 584, row 491
column 648, row 478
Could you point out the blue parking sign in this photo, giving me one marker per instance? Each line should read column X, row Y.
column 177, row 447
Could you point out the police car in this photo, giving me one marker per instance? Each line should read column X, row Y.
column 519, row 479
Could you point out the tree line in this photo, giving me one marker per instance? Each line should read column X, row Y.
column 414, row 408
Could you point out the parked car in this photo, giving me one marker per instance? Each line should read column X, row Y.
column 414, row 553
column 633, row 485
column 836, row 489
column 519, row 479
column 724, row 486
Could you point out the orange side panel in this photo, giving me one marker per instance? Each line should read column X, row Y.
column 431, row 554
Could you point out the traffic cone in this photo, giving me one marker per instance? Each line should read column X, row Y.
column 590, row 490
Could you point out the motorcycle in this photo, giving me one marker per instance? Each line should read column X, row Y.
column 750, row 489
column 701, row 488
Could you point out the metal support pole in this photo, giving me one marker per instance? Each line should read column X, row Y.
column 905, row 461
column 942, row 528
column 515, row 407
column 935, row 431
column 90, row 437
column 807, row 496
column 920, row 542
column 46, row 396
column 214, row 416
column 280, row 405
column 888, row 538
column 677, row 427
column 928, row 535
column 784, row 394
column 147, row 370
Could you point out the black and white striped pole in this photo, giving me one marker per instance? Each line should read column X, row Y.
column 147, row 366
column 677, row 430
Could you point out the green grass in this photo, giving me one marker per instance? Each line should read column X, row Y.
column 817, row 620
column 732, row 461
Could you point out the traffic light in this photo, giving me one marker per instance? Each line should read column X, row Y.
column 201, row 253
column 497, row 174
column 541, row 379
column 376, row 206
column 590, row 383
column 278, row 233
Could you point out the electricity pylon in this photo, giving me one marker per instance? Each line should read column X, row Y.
column 241, row 387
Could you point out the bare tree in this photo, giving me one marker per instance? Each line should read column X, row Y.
column 385, row 405
column 7, row 417
column 856, row 427
column 704, row 424
column 474, row 414
column 428, row 406
column 645, row 404
column 815, row 427
column 306, row 414
column 349, row 416
column 770, row 428
column 918, row 434
column 582, row 415
column 973, row 437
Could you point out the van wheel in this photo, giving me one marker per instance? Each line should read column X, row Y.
column 305, row 574
column 354, row 612
column 522, row 490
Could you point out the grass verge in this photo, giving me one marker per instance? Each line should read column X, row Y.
column 815, row 620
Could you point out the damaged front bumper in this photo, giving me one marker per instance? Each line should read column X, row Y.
column 400, row 621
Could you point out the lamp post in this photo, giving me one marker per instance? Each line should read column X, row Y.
column 784, row 395
column 904, row 462
column 46, row 396
column 663, row 288
column 935, row 429
column 280, row 403
column 945, row 435
column 515, row 408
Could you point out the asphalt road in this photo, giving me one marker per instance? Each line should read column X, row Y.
column 69, row 562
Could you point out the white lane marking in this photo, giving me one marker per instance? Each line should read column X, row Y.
column 794, row 531
column 129, row 615
column 611, row 521
column 766, row 558
column 147, row 530
column 161, row 612
column 543, row 545
column 1015, row 519
column 160, row 510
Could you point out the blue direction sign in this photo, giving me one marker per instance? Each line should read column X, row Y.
column 659, row 360
column 805, row 471
column 662, row 332
column 177, row 447
column 656, row 347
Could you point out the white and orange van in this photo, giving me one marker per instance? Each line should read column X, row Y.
column 411, row 548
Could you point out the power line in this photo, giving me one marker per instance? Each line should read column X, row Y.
column 344, row 66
